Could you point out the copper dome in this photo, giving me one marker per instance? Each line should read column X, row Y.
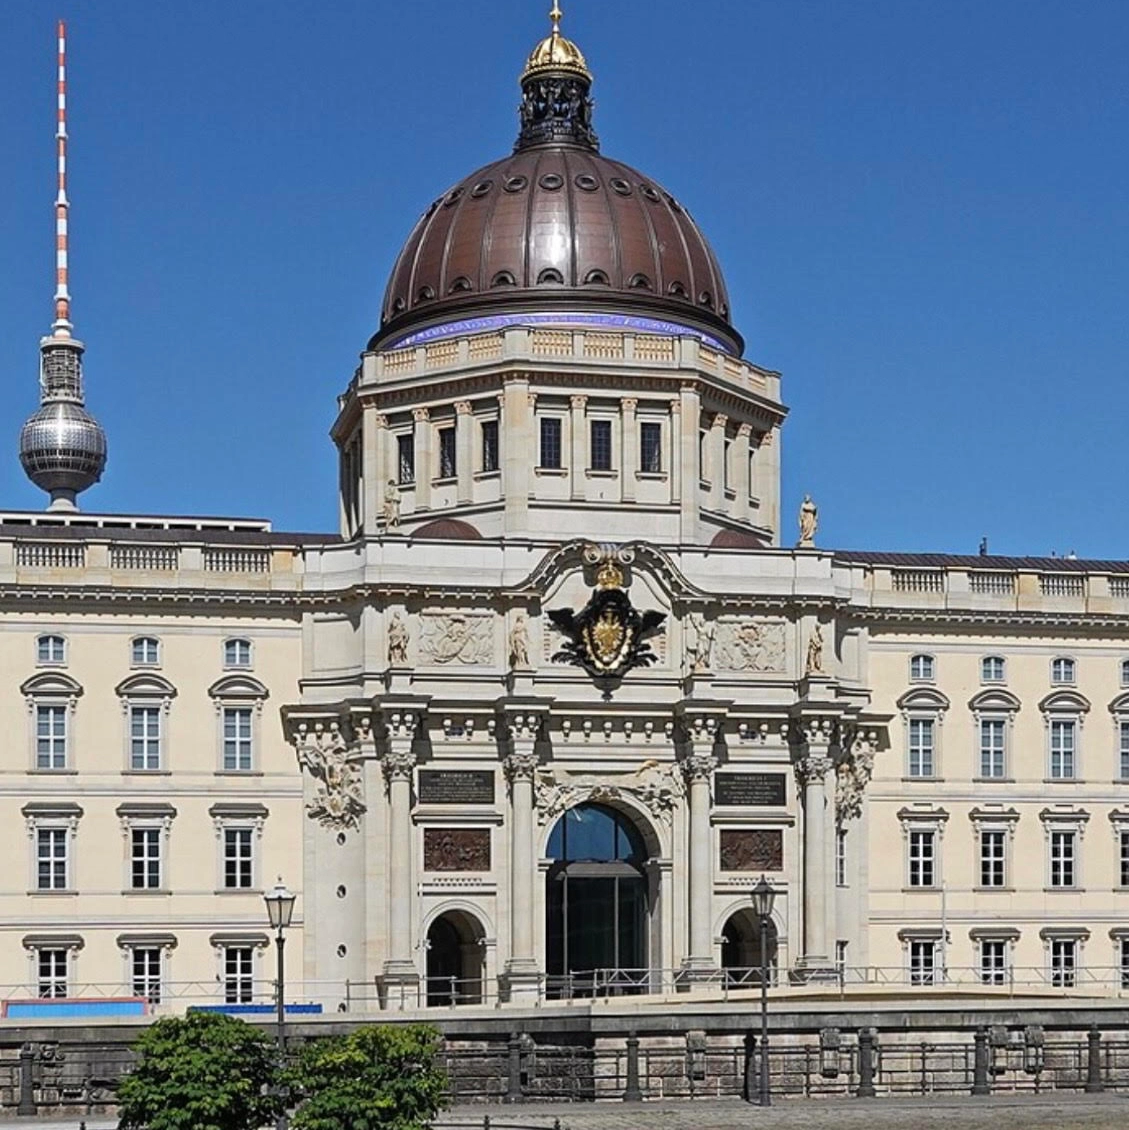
column 556, row 228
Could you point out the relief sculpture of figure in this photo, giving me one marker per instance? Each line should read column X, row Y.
column 814, row 665
column 391, row 506
column 397, row 642
column 809, row 522
column 519, row 643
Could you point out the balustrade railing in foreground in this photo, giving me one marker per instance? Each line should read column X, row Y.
column 334, row 996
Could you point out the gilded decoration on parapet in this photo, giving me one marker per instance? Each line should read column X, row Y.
column 657, row 787
column 457, row 637
column 323, row 752
column 608, row 636
column 749, row 645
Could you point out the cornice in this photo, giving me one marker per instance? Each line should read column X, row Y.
column 980, row 618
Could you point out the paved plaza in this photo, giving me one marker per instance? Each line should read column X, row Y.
column 999, row 1112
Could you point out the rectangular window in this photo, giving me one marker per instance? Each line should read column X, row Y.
column 1062, row 859
column 51, row 859
column 50, row 649
column 1064, row 962
column 840, row 858
column 1123, row 843
column 993, row 961
column 51, row 967
column 550, row 442
column 489, row 445
column 145, row 859
column 446, row 453
column 651, row 448
column 50, row 737
column 1123, row 750
column 237, row 653
column 238, row 974
column 922, row 961
column 145, row 967
column 841, row 955
column 238, row 869
column 145, row 737
column 1062, row 749
column 146, row 652
column 406, row 457
column 601, row 433
column 992, row 736
column 922, row 871
column 1123, row 960
column 992, row 846
column 921, row 747
column 237, row 738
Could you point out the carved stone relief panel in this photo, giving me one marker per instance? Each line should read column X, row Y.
column 749, row 645
column 456, row 637
column 456, row 849
column 752, row 849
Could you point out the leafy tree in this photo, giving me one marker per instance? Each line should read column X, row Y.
column 203, row 1071
column 380, row 1077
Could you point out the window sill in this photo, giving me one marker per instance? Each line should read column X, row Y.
column 993, row 780
column 144, row 666
column 239, row 772
column 146, row 891
column 600, row 473
column 931, row 780
column 238, row 667
column 44, row 772
column 1064, row 890
column 730, row 494
column 1062, row 780
column 239, row 891
column 933, row 890
column 51, row 665
column 146, row 772
column 560, row 472
column 68, row 892
column 994, row 890
column 479, row 476
column 652, row 476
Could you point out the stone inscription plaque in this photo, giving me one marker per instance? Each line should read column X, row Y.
column 456, row 849
column 754, row 849
column 456, row 786
column 750, row 790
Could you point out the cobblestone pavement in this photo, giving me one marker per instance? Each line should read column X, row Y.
column 999, row 1112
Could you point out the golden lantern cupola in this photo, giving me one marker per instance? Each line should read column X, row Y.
column 555, row 54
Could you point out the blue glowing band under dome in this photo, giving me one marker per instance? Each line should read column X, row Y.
column 487, row 322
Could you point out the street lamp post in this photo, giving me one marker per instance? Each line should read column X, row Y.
column 280, row 909
column 763, row 897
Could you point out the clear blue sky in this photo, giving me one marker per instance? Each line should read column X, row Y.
column 922, row 210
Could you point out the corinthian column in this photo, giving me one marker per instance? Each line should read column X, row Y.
column 812, row 769
column 398, row 762
column 522, row 975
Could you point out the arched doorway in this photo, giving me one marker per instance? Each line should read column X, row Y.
column 597, row 904
column 741, row 949
column 454, row 959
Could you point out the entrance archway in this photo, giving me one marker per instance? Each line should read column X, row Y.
column 597, row 904
column 454, row 959
column 741, row 949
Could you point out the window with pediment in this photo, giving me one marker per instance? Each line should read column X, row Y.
column 923, row 710
column 239, row 705
column 1064, row 712
column 146, row 701
column 51, row 698
column 993, row 717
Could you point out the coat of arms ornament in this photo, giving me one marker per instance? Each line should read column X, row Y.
column 608, row 636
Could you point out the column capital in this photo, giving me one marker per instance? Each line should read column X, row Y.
column 744, row 430
column 698, row 766
column 630, row 403
column 719, row 420
column 380, row 419
column 462, row 407
column 398, row 764
column 421, row 415
column 520, row 765
column 813, row 768
column 578, row 401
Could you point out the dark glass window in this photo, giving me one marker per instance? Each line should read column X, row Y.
column 446, row 453
column 406, row 450
column 650, row 448
column 601, row 445
column 550, row 442
column 489, row 445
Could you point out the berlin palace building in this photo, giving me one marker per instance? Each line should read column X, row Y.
column 565, row 683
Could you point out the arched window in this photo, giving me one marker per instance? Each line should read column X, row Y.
column 921, row 669
column 992, row 669
column 237, row 653
column 50, row 651
column 597, row 903
column 1062, row 671
column 145, row 651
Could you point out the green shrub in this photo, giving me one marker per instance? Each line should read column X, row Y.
column 380, row 1077
column 204, row 1071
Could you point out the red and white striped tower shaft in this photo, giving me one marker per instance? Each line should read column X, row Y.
column 61, row 327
